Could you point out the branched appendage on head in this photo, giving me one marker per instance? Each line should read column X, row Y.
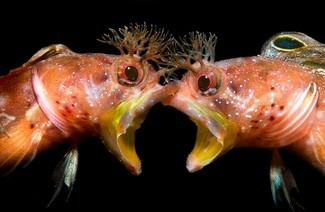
column 148, row 43
column 8, row 118
column 195, row 48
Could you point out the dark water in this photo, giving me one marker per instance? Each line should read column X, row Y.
column 239, row 179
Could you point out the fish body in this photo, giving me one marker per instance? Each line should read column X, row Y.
column 273, row 100
column 267, row 103
column 61, row 96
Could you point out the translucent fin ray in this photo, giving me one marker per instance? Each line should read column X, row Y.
column 65, row 173
column 283, row 184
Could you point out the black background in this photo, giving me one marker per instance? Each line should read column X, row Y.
column 239, row 179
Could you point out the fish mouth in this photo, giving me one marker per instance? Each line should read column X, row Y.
column 216, row 134
column 119, row 124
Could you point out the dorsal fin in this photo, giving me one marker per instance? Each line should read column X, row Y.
column 43, row 54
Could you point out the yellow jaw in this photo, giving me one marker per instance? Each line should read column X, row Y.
column 119, row 123
column 216, row 134
column 209, row 146
column 118, row 127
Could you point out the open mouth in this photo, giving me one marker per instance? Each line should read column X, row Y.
column 216, row 134
column 119, row 124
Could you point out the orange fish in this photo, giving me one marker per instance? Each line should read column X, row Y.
column 60, row 96
column 274, row 100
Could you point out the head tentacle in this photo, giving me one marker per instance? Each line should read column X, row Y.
column 197, row 47
column 148, row 43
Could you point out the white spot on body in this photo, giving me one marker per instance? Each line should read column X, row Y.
column 248, row 116
column 48, row 124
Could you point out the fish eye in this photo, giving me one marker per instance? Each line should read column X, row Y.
column 287, row 43
column 130, row 75
column 208, row 83
column 204, row 83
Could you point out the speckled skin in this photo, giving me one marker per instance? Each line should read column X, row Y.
column 272, row 102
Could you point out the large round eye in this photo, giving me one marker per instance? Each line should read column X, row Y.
column 287, row 43
column 208, row 83
column 204, row 83
column 130, row 75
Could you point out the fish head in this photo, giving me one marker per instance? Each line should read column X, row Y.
column 197, row 97
column 135, row 76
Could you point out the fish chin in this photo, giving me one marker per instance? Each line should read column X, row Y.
column 119, row 124
column 216, row 134
column 207, row 147
column 126, row 143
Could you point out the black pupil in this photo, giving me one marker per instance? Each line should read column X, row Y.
column 288, row 43
column 131, row 73
column 204, row 83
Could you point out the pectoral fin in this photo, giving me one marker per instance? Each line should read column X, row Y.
column 65, row 173
column 283, row 184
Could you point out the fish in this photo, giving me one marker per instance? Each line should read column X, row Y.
column 274, row 100
column 59, row 96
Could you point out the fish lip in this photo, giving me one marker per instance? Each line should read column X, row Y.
column 118, row 125
column 215, row 132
